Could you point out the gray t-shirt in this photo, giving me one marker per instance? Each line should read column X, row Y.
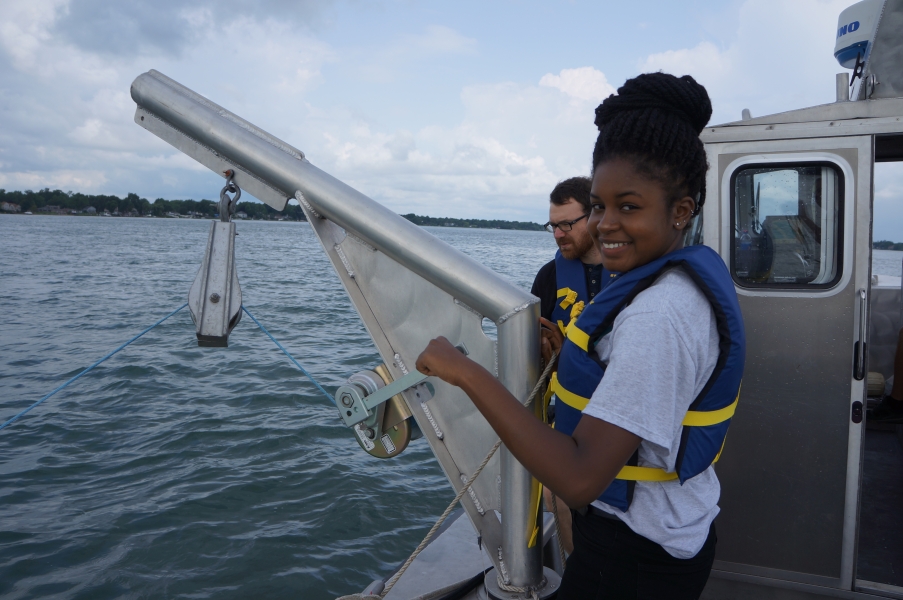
column 661, row 351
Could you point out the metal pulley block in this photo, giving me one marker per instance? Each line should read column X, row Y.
column 387, row 427
column 215, row 296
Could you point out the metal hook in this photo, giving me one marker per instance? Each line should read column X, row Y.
column 227, row 205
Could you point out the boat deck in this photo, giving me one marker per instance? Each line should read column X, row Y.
column 881, row 508
column 452, row 558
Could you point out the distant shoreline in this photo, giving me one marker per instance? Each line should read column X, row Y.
column 58, row 202
column 422, row 221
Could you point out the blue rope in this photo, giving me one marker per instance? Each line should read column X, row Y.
column 290, row 357
column 77, row 377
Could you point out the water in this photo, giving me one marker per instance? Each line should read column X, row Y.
column 887, row 262
column 173, row 471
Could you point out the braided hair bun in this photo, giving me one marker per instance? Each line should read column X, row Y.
column 654, row 122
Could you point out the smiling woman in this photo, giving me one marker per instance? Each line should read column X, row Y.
column 653, row 363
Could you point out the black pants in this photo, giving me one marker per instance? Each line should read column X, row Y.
column 611, row 562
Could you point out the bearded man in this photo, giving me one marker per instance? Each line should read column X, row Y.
column 574, row 277
column 568, row 282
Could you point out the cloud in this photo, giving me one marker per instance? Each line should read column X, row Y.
column 781, row 58
column 128, row 28
column 437, row 39
column 512, row 144
column 410, row 51
column 706, row 62
column 66, row 116
column 585, row 83
column 24, row 29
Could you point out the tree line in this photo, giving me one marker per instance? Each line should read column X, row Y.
column 887, row 245
column 36, row 201
column 480, row 223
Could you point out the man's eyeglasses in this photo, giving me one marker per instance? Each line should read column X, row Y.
column 563, row 226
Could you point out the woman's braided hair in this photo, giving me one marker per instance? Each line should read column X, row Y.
column 654, row 122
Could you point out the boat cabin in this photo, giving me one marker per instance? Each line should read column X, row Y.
column 812, row 493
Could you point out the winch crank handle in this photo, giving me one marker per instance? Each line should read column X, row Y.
column 396, row 387
column 355, row 408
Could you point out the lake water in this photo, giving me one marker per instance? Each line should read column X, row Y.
column 887, row 262
column 173, row 471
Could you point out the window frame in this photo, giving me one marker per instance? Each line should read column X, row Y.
column 842, row 210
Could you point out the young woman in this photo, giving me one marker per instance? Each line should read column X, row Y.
column 649, row 374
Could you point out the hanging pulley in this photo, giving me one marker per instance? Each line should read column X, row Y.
column 215, row 296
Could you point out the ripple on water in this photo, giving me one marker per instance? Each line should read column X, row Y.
column 175, row 471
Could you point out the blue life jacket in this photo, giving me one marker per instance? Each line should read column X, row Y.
column 572, row 295
column 706, row 422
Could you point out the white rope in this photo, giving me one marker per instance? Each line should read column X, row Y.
column 439, row 522
column 520, row 590
column 540, row 386
column 557, row 529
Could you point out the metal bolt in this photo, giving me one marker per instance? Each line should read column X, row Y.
column 214, row 297
column 370, row 433
column 347, row 400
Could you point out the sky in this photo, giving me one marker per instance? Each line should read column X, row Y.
column 463, row 109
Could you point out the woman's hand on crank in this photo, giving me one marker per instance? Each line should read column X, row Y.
column 552, row 339
column 442, row 360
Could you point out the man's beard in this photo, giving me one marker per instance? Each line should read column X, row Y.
column 579, row 247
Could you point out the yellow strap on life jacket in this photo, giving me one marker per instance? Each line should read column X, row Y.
column 698, row 418
column 693, row 418
column 547, row 399
column 578, row 336
column 645, row 474
column 569, row 295
column 569, row 398
column 535, row 510
column 653, row 473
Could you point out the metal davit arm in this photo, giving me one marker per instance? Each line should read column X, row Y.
column 274, row 171
column 263, row 161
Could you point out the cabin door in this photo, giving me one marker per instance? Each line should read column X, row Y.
column 792, row 222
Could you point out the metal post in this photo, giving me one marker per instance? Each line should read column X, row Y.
column 842, row 84
column 518, row 345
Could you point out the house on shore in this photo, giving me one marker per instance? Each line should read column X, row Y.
column 10, row 207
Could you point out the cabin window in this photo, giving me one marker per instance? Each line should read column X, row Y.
column 787, row 225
